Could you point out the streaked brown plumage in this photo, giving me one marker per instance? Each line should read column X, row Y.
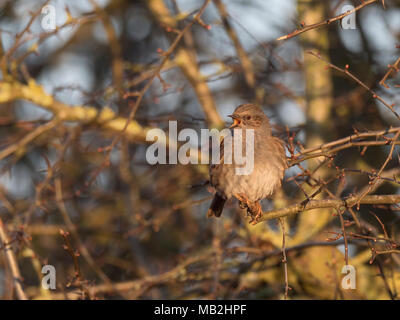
column 269, row 165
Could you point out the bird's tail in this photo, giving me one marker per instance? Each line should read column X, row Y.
column 216, row 206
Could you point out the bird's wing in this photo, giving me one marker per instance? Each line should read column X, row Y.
column 221, row 154
column 281, row 145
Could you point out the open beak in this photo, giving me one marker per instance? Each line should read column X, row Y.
column 236, row 121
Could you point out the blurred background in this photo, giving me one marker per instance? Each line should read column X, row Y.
column 70, row 161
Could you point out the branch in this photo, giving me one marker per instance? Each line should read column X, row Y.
column 242, row 55
column 12, row 262
column 326, row 22
column 140, row 284
column 355, row 140
column 352, row 138
column 105, row 118
column 348, row 73
column 329, row 203
column 27, row 139
column 186, row 59
column 81, row 246
column 392, row 68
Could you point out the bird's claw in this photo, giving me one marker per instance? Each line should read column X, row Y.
column 254, row 210
column 243, row 201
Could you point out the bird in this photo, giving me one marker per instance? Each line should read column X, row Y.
column 270, row 163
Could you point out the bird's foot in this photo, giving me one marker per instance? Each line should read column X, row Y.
column 244, row 202
column 255, row 212
column 242, row 205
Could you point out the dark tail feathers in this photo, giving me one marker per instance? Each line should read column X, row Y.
column 216, row 206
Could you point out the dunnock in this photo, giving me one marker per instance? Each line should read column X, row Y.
column 269, row 165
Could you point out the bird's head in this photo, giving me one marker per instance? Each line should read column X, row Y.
column 249, row 116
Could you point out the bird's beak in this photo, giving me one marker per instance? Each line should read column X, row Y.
column 236, row 121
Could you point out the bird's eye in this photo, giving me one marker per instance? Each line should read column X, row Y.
column 248, row 117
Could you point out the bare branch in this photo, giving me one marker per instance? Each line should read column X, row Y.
column 326, row 22
column 12, row 262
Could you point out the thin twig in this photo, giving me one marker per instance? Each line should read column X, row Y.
column 392, row 68
column 348, row 73
column 12, row 262
column 326, row 22
column 284, row 260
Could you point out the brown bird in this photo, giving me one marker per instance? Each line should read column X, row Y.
column 269, row 165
